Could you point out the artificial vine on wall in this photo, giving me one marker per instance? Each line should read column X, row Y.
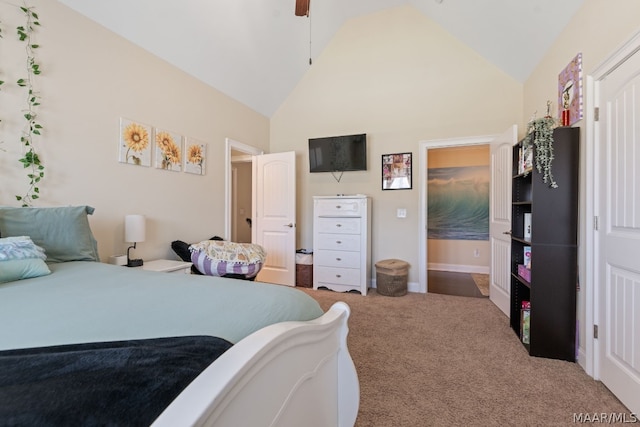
column 32, row 128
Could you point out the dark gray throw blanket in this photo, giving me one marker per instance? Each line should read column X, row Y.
column 123, row 383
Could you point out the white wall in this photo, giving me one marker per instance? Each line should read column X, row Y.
column 90, row 78
column 399, row 77
column 597, row 30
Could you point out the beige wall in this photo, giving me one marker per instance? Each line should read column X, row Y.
column 243, row 201
column 459, row 255
column 597, row 30
column 90, row 79
column 399, row 77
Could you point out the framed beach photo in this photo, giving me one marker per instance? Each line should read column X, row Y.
column 396, row 171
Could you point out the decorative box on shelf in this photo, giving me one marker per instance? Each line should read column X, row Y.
column 524, row 272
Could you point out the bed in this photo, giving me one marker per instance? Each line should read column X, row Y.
column 285, row 362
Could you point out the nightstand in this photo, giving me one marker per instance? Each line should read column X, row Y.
column 167, row 266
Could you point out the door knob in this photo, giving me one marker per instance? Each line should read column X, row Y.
column 290, row 225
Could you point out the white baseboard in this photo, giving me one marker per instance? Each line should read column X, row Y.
column 459, row 268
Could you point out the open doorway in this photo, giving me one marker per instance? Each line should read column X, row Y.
column 238, row 193
column 458, row 196
column 499, row 211
column 241, row 197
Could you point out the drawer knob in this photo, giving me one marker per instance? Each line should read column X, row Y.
column 338, row 207
column 338, row 225
column 338, row 242
column 338, row 276
column 338, row 259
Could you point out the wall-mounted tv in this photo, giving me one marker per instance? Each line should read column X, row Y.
column 338, row 153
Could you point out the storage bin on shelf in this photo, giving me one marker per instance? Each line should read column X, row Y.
column 391, row 277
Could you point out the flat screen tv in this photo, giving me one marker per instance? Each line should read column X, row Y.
column 338, row 153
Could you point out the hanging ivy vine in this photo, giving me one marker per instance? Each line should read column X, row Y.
column 32, row 128
column 540, row 134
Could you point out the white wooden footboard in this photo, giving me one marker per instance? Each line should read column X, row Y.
column 287, row 374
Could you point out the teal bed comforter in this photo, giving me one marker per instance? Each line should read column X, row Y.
column 85, row 301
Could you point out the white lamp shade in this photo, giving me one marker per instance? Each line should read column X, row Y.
column 134, row 228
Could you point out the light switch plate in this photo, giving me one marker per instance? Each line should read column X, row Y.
column 402, row 213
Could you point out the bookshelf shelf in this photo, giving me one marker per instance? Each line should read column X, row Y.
column 521, row 280
column 544, row 235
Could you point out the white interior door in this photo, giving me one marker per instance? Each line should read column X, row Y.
column 274, row 213
column 500, row 218
column 618, row 235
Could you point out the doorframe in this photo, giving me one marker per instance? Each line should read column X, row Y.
column 231, row 144
column 589, row 357
column 423, row 157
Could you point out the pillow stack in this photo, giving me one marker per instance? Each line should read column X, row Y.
column 20, row 258
column 63, row 232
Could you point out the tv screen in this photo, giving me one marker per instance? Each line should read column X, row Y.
column 338, row 153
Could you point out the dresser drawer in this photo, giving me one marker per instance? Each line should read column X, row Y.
column 338, row 225
column 339, row 276
column 338, row 207
column 337, row 259
column 338, row 242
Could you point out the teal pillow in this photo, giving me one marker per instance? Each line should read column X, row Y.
column 18, row 269
column 63, row 232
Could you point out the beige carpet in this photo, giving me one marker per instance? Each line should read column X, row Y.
column 440, row 360
column 482, row 282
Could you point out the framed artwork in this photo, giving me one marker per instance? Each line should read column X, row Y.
column 135, row 143
column 396, row 171
column 458, row 203
column 168, row 150
column 195, row 158
column 570, row 92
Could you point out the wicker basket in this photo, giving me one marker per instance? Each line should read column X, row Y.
column 391, row 277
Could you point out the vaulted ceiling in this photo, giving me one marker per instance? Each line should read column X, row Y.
column 256, row 51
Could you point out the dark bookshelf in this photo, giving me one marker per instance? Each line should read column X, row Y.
column 554, row 251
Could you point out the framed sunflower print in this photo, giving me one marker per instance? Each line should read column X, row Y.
column 168, row 150
column 135, row 143
column 396, row 171
column 195, row 157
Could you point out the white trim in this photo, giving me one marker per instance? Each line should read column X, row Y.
column 422, row 180
column 234, row 204
column 230, row 144
column 590, row 361
column 458, row 268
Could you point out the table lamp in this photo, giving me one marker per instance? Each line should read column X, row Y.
column 134, row 232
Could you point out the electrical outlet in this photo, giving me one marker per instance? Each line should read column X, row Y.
column 476, row 253
column 402, row 213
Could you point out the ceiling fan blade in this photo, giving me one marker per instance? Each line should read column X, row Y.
column 302, row 7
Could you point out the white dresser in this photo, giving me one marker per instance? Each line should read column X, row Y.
column 342, row 243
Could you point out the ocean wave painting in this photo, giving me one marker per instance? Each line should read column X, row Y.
column 458, row 203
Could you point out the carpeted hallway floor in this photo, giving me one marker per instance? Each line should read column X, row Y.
column 454, row 283
column 440, row 360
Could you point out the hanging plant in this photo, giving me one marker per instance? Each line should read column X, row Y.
column 32, row 128
column 540, row 134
